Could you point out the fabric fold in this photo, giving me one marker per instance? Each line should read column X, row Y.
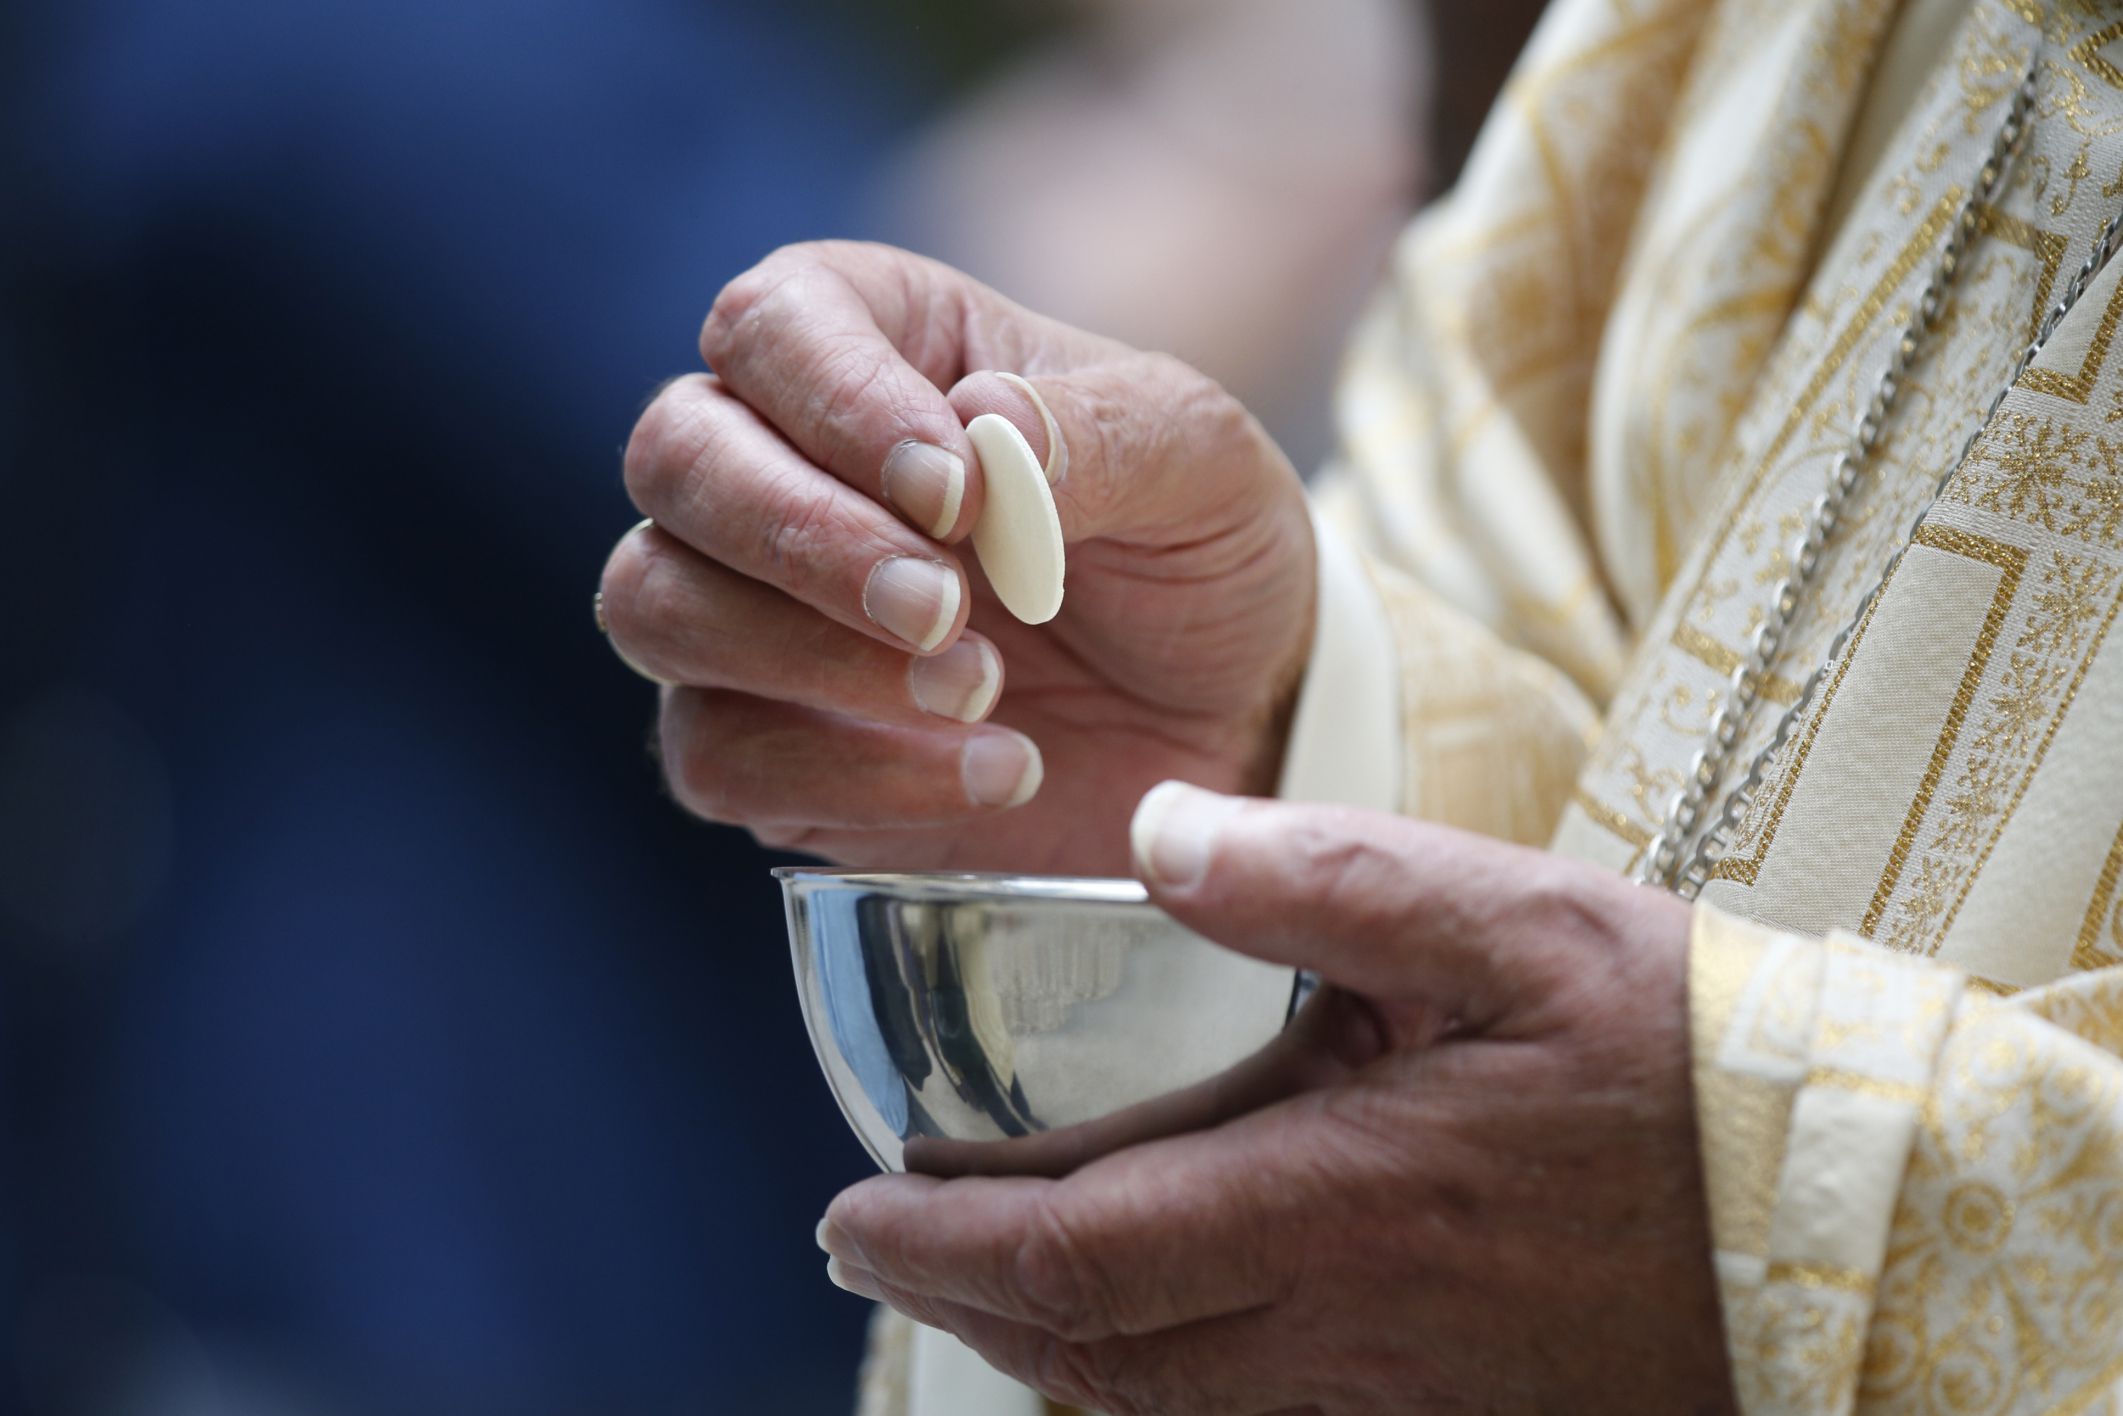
column 1915, row 1189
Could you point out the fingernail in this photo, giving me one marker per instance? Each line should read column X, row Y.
column 959, row 683
column 826, row 1235
column 1057, row 450
column 1001, row 768
column 860, row 1282
column 913, row 598
column 928, row 483
column 1174, row 831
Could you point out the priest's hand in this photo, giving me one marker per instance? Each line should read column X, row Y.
column 833, row 656
column 1480, row 1191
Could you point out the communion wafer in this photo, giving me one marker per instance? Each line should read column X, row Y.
column 1018, row 537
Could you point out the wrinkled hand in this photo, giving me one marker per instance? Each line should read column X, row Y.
column 833, row 658
column 1481, row 1191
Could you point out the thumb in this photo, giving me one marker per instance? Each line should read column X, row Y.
column 1398, row 910
column 1125, row 441
column 1018, row 399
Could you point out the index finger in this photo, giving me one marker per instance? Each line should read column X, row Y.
column 812, row 340
column 1163, row 1234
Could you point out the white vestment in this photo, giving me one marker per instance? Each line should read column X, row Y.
column 1581, row 427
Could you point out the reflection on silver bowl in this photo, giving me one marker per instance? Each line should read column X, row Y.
column 1001, row 1022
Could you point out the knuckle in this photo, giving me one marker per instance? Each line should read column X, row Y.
column 662, row 601
column 1069, row 1371
column 651, row 605
column 798, row 530
column 664, row 444
column 854, row 387
column 847, row 369
column 1564, row 932
column 697, row 773
column 1051, row 1274
column 1340, row 867
column 738, row 305
column 697, row 782
column 624, row 586
column 754, row 310
column 1119, row 1377
column 620, row 585
column 1172, row 372
column 1158, row 412
column 1204, row 402
column 1115, row 433
column 1213, row 425
column 1559, row 904
column 701, row 481
column 791, row 319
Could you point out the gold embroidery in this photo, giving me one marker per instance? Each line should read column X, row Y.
column 2027, row 775
column 2048, row 247
column 1846, row 342
column 1978, row 1216
column 2054, row 476
column 2010, row 561
column 2078, row 387
column 1838, row 1079
column 2002, row 1287
column 1612, row 820
column 2024, row 471
column 1530, row 95
column 2074, row 174
column 2104, row 915
column 1811, row 1275
column 2088, row 52
column 2102, row 1388
column 1745, row 869
column 1691, row 640
column 1744, row 1157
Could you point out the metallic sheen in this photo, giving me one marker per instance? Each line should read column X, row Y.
column 982, row 1022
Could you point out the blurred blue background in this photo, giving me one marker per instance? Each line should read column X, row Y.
column 375, row 1037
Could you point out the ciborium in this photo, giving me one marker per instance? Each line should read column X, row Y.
column 1016, row 1024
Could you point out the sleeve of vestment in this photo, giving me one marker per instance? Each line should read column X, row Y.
column 1915, row 1186
column 1462, row 601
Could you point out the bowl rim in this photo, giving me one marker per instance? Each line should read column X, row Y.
column 964, row 885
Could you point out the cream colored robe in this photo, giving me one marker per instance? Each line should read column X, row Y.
column 1581, row 426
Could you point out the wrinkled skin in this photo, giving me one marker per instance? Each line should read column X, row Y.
column 1190, row 579
column 1465, row 1180
column 1479, row 1192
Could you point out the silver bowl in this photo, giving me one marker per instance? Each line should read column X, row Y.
column 1015, row 1024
